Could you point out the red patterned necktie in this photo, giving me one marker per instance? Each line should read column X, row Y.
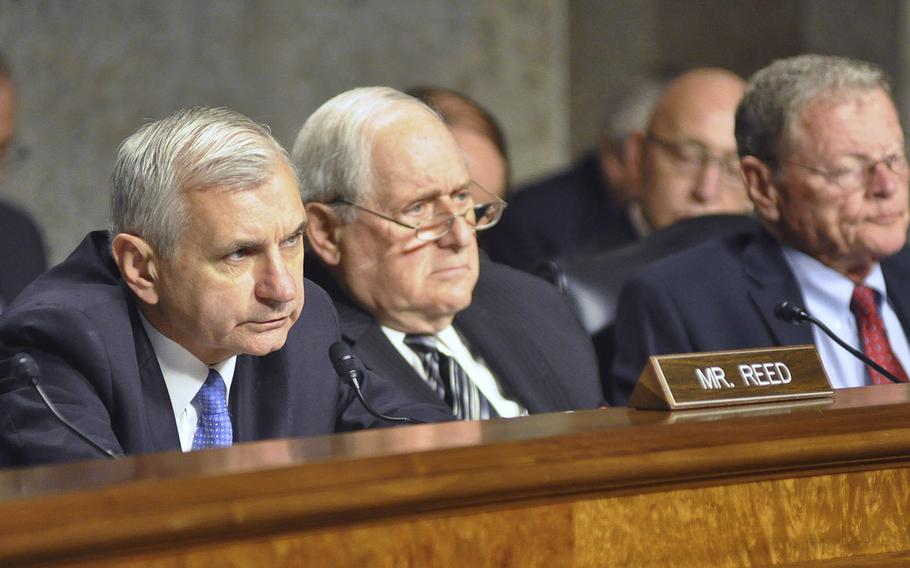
column 864, row 305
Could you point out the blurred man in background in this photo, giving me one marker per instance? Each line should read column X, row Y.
column 22, row 252
column 582, row 208
column 686, row 158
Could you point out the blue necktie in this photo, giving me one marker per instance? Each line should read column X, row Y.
column 450, row 381
column 214, row 427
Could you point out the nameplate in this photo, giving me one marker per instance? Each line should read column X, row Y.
column 723, row 378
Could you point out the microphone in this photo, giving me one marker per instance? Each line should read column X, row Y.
column 791, row 313
column 24, row 368
column 346, row 368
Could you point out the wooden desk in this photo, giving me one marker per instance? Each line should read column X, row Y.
column 752, row 486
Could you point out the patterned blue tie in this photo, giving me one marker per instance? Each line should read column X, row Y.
column 450, row 381
column 214, row 428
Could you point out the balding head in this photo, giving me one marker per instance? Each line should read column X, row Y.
column 688, row 156
column 706, row 97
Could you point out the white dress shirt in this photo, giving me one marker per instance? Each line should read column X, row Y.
column 184, row 375
column 827, row 294
column 451, row 344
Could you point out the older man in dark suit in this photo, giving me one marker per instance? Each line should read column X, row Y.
column 825, row 163
column 22, row 254
column 393, row 219
column 185, row 327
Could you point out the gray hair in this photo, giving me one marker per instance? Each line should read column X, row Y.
column 630, row 110
column 192, row 149
column 333, row 148
column 776, row 95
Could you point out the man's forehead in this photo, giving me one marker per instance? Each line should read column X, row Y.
column 856, row 121
column 416, row 158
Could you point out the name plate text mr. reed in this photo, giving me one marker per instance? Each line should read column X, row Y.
column 721, row 378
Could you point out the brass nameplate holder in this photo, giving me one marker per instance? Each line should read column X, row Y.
column 723, row 378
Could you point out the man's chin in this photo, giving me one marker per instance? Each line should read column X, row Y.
column 266, row 343
column 886, row 243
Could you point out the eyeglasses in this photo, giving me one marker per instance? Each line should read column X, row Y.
column 694, row 156
column 857, row 175
column 435, row 226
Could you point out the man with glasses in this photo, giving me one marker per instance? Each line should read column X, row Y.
column 686, row 159
column 824, row 160
column 184, row 326
column 393, row 218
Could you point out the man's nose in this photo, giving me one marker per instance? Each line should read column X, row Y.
column 460, row 234
column 276, row 283
column 882, row 180
column 709, row 180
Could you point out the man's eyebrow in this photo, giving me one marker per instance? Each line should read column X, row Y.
column 300, row 230
column 239, row 244
column 439, row 192
column 254, row 244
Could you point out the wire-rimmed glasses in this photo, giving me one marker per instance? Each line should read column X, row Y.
column 479, row 217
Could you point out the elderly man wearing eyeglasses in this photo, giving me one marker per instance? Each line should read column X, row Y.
column 686, row 160
column 825, row 164
column 393, row 221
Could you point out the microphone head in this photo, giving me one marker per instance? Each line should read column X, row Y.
column 790, row 313
column 25, row 368
column 342, row 358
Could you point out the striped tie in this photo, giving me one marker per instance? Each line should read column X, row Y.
column 450, row 381
column 214, row 427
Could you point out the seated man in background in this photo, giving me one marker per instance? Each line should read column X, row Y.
column 393, row 217
column 686, row 159
column 688, row 173
column 583, row 207
column 824, row 160
column 22, row 254
column 185, row 327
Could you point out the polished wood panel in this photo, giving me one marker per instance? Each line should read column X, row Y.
column 750, row 486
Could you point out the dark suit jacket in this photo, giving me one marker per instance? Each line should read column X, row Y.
column 571, row 212
column 525, row 331
column 22, row 254
column 592, row 282
column 80, row 322
column 720, row 295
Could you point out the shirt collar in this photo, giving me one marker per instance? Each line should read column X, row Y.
column 183, row 372
column 445, row 338
column 826, row 284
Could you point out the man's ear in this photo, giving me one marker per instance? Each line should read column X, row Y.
column 324, row 232
column 763, row 188
column 138, row 265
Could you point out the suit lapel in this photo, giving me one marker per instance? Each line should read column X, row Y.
column 770, row 281
column 897, row 274
column 511, row 355
column 160, row 423
column 259, row 398
column 380, row 356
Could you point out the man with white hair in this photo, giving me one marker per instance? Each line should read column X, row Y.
column 824, row 160
column 394, row 216
column 184, row 326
